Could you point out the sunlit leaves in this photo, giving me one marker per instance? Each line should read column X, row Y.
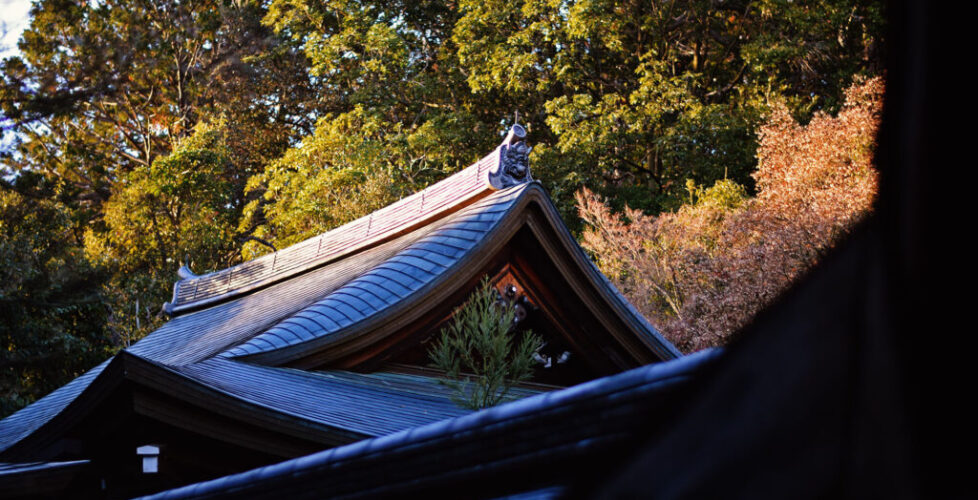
column 702, row 272
column 179, row 206
column 641, row 95
column 399, row 116
column 345, row 170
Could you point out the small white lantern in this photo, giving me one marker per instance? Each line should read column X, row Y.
column 151, row 456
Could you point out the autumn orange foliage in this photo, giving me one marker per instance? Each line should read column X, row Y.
column 702, row 272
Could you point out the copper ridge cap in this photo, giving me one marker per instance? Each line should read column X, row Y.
column 504, row 167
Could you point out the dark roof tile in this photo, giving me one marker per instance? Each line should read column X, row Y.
column 371, row 405
column 427, row 265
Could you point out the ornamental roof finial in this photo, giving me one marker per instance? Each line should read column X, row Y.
column 514, row 160
column 184, row 272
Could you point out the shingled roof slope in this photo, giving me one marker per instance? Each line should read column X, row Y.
column 330, row 407
column 366, row 404
column 389, row 283
column 19, row 425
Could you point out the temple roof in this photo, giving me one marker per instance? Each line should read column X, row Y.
column 282, row 343
column 390, row 283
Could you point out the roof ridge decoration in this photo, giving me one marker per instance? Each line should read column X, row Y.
column 514, row 160
column 505, row 167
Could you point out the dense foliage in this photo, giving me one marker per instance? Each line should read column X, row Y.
column 702, row 272
column 158, row 131
column 53, row 325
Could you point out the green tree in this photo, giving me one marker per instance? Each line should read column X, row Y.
column 479, row 353
column 104, row 102
column 632, row 98
column 102, row 88
column 51, row 316
column 398, row 114
column 178, row 206
column 344, row 170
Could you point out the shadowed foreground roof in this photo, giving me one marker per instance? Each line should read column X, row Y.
column 37, row 478
column 531, row 432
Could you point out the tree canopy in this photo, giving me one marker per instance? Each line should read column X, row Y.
column 703, row 271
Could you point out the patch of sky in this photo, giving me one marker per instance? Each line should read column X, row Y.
column 14, row 17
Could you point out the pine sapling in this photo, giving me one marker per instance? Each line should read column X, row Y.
column 479, row 352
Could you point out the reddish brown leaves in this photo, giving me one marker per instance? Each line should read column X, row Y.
column 701, row 273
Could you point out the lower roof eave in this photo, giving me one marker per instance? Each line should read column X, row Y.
column 562, row 427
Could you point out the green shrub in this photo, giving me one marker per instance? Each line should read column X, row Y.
column 479, row 352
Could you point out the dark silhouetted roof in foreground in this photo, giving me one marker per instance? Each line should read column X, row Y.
column 550, row 425
column 37, row 479
column 19, row 468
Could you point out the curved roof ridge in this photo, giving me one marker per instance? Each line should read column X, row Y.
column 506, row 166
column 399, row 276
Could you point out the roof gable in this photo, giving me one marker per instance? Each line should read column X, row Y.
column 388, row 299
